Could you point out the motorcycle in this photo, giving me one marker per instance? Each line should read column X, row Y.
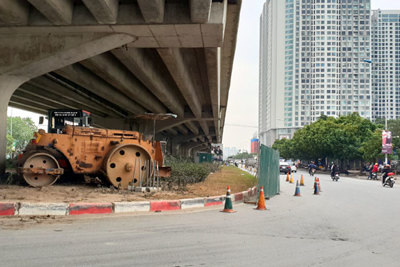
column 312, row 171
column 389, row 180
column 374, row 176
column 335, row 177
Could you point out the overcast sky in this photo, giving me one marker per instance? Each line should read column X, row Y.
column 242, row 111
column 243, row 95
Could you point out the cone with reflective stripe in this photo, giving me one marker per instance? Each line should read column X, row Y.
column 228, row 201
column 316, row 189
column 319, row 185
column 291, row 179
column 261, row 200
column 302, row 180
column 287, row 177
column 297, row 191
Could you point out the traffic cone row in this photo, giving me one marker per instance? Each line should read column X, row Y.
column 261, row 200
column 317, row 185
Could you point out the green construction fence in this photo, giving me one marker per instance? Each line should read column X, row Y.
column 268, row 171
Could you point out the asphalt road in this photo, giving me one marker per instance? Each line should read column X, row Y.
column 351, row 223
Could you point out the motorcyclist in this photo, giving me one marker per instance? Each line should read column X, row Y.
column 374, row 169
column 334, row 169
column 311, row 166
column 386, row 170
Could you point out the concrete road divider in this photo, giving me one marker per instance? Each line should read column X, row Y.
column 120, row 207
column 165, row 205
column 89, row 208
column 214, row 201
column 42, row 208
column 29, row 208
column 192, row 203
column 7, row 209
column 238, row 197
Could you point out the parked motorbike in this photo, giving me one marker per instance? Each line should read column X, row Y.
column 335, row 177
column 389, row 180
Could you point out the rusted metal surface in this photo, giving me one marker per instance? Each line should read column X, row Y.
column 51, row 171
column 93, row 151
column 127, row 164
column 41, row 169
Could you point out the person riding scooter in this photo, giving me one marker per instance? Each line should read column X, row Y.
column 374, row 171
column 311, row 168
column 386, row 170
column 334, row 169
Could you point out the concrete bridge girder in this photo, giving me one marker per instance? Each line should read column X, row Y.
column 83, row 77
column 72, row 55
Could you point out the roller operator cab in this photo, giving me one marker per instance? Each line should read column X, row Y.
column 59, row 118
column 71, row 146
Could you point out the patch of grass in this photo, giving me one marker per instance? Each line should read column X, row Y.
column 216, row 183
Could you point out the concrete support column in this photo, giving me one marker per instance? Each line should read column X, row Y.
column 8, row 84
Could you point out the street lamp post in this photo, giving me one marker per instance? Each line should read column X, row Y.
column 386, row 106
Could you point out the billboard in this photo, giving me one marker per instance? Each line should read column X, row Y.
column 387, row 142
column 216, row 151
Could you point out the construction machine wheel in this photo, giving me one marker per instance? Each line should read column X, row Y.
column 128, row 164
column 41, row 169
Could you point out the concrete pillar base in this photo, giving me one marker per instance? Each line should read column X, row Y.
column 8, row 84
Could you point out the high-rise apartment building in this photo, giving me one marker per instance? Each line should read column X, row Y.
column 312, row 56
column 385, row 43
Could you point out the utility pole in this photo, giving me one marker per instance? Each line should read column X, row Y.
column 386, row 105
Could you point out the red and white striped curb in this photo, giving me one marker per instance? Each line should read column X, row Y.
column 27, row 208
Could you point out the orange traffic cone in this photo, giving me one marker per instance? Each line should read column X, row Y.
column 297, row 191
column 228, row 201
column 287, row 177
column 302, row 180
column 316, row 190
column 261, row 200
column 291, row 179
column 319, row 185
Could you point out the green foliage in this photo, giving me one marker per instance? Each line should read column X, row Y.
column 285, row 148
column 10, row 142
column 372, row 147
column 21, row 130
column 335, row 138
column 184, row 171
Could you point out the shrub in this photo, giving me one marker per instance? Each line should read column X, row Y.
column 184, row 171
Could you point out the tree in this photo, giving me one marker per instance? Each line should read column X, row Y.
column 285, row 148
column 333, row 138
column 21, row 130
column 371, row 149
column 10, row 144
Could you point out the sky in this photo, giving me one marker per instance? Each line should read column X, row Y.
column 242, row 111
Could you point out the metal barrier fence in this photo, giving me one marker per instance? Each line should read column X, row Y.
column 268, row 171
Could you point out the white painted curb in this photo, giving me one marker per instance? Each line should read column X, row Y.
column 27, row 208
column 192, row 203
column 120, row 207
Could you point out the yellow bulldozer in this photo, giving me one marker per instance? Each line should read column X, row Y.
column 72, row 146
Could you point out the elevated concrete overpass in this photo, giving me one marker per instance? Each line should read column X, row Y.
column 119, row 59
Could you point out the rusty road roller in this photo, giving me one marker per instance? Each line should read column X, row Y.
column 124, row 157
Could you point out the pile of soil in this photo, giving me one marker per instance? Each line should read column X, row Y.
column 215, row 184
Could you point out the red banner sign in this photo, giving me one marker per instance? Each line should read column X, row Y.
column 387, row 142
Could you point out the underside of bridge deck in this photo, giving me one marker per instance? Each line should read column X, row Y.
column 119, row 59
